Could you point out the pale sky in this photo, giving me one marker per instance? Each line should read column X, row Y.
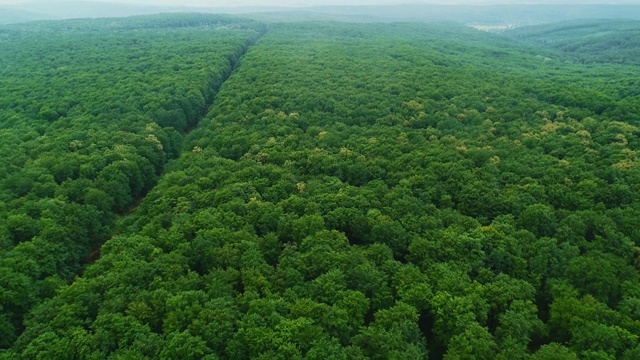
column 227, row 3
column 296, row 3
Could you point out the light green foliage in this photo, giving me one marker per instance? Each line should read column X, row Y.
column 391, row 191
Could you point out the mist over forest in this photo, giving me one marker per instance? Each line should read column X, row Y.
column 514, row 14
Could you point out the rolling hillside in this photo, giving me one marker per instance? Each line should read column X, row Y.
column 210, row 187
column 588, row 41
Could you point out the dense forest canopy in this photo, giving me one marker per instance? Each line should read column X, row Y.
column 354, row 191
column 588, row 41
column 90, row 112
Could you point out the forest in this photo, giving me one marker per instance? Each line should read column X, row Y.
column 210, row 187
column 588, row 41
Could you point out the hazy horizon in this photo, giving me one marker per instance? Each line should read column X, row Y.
column 305, row 3
column 474, row 12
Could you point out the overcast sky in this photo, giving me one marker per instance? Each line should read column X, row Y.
column 327, row 2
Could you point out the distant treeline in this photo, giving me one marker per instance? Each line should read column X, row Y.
column 521, row 15
column 587, row 41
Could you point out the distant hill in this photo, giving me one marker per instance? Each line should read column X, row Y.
column 84, row 9
column 517, row 15
column 11, row 16
column 512, row 15
column 587, row 41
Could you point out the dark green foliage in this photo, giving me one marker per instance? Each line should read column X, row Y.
column 395, row 191
column 90, row 112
